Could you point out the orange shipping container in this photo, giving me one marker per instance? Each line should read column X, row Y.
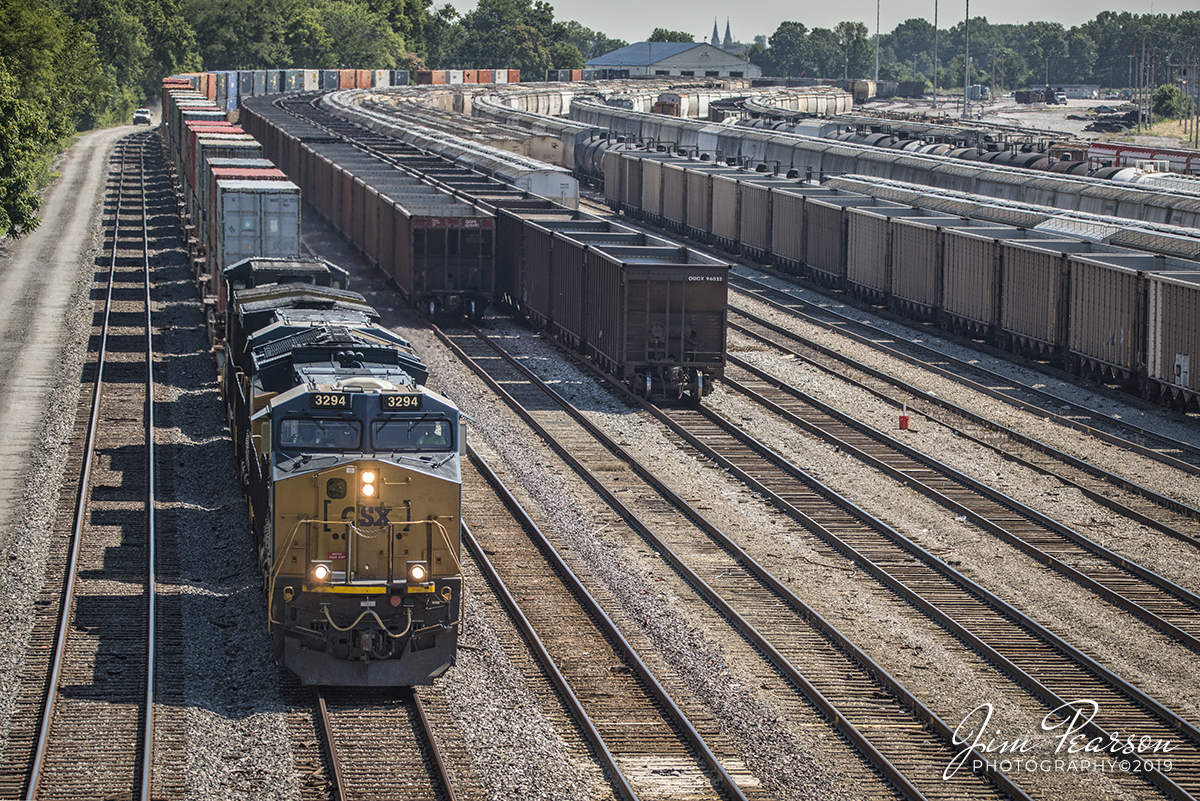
column 577, row 75
column 346, row 79
column 210, row 89
column 514, row 76
column 362, row 79
column 471, row 76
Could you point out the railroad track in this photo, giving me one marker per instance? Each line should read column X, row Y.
column 1029, row 654
column 903, row 743
column 1180, row 455
column 1118, row 493
column 84, row 726
column 381, row 745
column 1160, row 603
column 648, row 747
column 1033, row 658
column 351, row 743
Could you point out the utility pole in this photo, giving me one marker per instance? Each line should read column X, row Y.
column 877, row 41
column 935, row 58
column 995, row 89
column 967, row 56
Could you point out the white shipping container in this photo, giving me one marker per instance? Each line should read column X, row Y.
column 312, row 80
column 256, row 218
column 381, row 78
column 454, row 76
column 499, row 76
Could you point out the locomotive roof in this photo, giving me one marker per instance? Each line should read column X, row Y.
column 258, row 272
column 328, row 353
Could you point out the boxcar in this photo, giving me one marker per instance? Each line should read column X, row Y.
column 1173, row 337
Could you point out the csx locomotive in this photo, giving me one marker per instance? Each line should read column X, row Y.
column 352, row 472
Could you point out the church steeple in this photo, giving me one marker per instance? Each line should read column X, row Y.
column 716, row 39
column 728, row 36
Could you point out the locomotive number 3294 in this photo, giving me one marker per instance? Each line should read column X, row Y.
column 330, row 401
column 401, row 401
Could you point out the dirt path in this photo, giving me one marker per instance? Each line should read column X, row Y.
column 41, row 279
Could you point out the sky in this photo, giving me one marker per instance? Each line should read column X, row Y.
column 633, row 20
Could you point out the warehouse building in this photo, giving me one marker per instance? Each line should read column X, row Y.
column 676, row 59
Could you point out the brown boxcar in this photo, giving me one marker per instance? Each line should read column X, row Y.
column 656, row 317
column 1035, row 300
column 1107, row 336
column 1174, row 337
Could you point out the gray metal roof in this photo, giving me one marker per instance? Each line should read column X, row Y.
column 641, row 53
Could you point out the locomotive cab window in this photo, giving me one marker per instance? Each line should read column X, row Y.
column 412, row 434
column 302, row 434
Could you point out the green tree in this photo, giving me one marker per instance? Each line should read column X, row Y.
column 760, row 54
column 663, row 35
column 443, row 37
column 502, row 34
column 789, row 49
column 855, row 49
column 1047, row 42
column 360, row 38
column 1081, row 57
column 1168, row 102
column 23, row 133
column 565, row 56
column 823, row 55
column 240, row 34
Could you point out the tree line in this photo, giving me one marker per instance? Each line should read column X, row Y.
column 1106, row 51
column 72, row 65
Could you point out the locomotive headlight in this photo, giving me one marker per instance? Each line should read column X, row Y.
column 321, row 571
column 368, row 486
column 368, row 490
column 368, row 476
column 418, row 572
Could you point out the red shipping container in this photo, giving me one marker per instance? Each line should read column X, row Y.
column 346, row 79
column 514, row 76
column 362, row 79
column 471, row 76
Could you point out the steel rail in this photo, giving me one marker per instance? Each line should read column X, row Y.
column 1119, row 562
column 151, row 529
column 335, row 760
column 435, row 752
column 814, row 695
column 624, row 789
column 937, row 355
column 913, row 392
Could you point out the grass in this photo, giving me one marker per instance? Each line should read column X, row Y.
column 1171, row 129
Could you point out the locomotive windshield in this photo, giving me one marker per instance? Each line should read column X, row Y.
column 426, row 433
column 308, row 434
